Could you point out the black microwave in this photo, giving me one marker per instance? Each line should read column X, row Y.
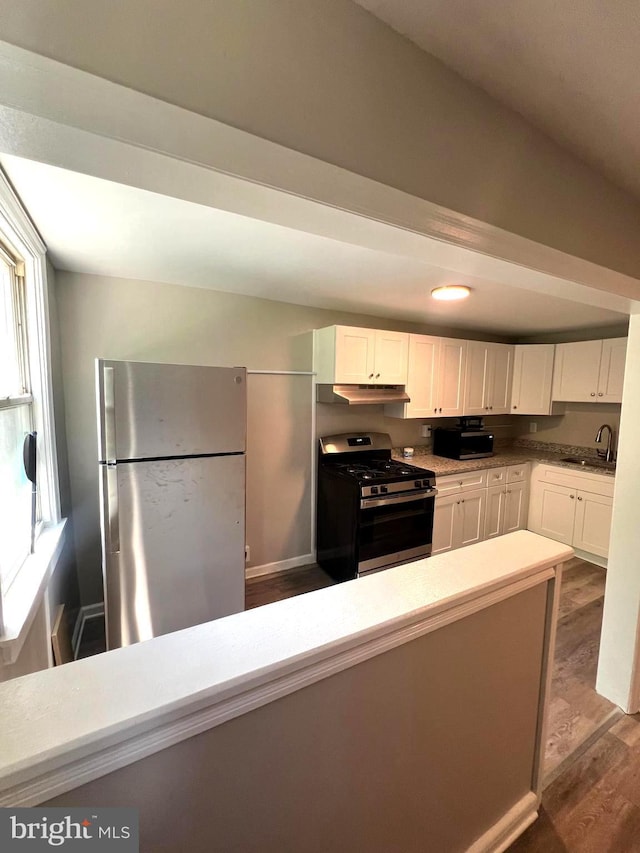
column 462, row 443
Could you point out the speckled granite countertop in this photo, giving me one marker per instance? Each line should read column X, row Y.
column 510, row 455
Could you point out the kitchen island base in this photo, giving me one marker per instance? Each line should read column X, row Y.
column 400, row 711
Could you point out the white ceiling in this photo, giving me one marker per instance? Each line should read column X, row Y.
column 571, row 68
column 96, row 226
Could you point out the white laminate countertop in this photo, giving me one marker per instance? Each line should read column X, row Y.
column 502, row 456
column 70, row 719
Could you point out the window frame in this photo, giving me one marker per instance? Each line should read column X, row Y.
column 22, row 240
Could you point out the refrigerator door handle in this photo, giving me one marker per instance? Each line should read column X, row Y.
column 109, row 414
column 110, row 509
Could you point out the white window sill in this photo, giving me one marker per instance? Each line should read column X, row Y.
column 24, row 596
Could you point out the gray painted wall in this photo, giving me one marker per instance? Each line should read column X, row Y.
column 330, row 80
column 146, row 321
column 421, row 748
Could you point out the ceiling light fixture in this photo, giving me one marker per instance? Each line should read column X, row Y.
column 451, row 292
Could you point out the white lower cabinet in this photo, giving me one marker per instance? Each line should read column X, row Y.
column 459, row 520
column 507, row 500
column 573, row 508
column 479, row 505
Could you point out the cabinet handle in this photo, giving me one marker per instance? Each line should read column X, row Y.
column 457, row 503
column 579, row 499
column 377, row 376
column 490, row 408
column 440, row 408
column 515, row 407
column 600, row 394
column 508, row 491
column 462, row 501
column 435, row 410
column 572, row 496
column 371, row 376
column 459, row 482
column 593, row 393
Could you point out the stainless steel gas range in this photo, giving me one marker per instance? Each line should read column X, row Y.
column 372, row 512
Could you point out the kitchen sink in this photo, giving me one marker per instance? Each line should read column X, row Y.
column 590, row 462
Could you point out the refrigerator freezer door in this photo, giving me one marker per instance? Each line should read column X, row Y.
column 151, row 411
column 178, row 557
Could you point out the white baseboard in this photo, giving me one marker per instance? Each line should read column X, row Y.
column 89, row 611
column 511, row 825
column 279, row 566
column 603, row 562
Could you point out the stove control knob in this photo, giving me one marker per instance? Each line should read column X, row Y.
column 383, row 490
column 418, row 484
column 374, row 490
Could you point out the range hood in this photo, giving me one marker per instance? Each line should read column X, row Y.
column 361, row 395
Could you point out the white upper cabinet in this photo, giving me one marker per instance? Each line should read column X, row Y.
column 590, row 371
column 611, row 376
column 532, row 378
column 435, row 380
column 451, row 372
column 391, row 358
column 488, row 379
column 347, row 355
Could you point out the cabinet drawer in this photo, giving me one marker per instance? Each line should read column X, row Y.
column 518, row 473
column 452, row 483
column 496, row 476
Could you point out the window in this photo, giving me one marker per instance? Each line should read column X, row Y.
column 16, row 420
column 26, row 403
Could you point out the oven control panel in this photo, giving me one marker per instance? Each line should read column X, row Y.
column 394, row 488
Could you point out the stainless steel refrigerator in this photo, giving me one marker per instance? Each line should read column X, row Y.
column 172, row 486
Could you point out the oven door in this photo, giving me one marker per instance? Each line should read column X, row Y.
column 394, row 530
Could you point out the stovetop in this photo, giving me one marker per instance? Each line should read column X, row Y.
column 378, row 470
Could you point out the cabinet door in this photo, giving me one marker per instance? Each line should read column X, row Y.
column 515, row 507
column 592, row 523
column 552, row 511
column 444, row 523
column 422, row 378
column 477, row 375
column 532, row 378
column 500, row 378
column 576, row 371
column 473, row 507
column 494, row 517
column 355, row 356
column 614, row 353
column 451, row 376
column 391, row 358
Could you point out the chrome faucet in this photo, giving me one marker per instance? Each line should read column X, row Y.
column 608, row 453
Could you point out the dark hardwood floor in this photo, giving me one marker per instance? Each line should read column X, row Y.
column 269, row 588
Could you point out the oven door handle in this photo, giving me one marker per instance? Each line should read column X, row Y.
column 370, row 503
